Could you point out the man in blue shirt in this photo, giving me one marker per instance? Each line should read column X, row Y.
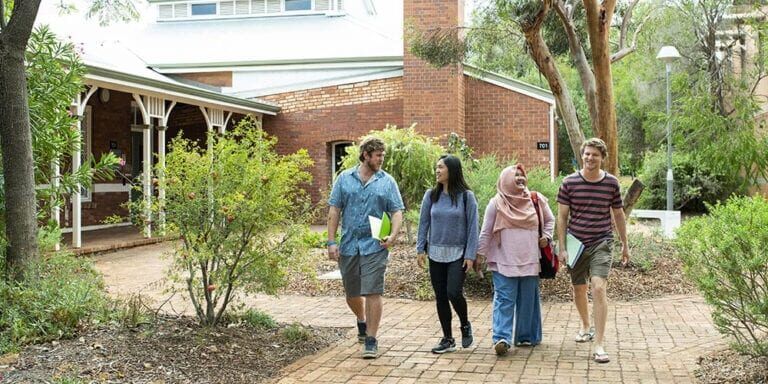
column 363, row 191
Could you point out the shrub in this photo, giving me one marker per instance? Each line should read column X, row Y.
column 258, row 319
column 296, row 333
column 58, row 294
column 724, row 254
column 695, row 185
column 482, row 179
column 241, row 214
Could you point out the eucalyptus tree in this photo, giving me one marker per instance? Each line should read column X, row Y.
column 587, row 27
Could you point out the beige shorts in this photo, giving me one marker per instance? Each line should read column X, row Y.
column 594, row 261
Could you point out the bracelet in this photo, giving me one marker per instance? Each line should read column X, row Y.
column 330, row 242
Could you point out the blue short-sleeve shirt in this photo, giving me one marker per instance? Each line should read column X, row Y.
column 357, row 201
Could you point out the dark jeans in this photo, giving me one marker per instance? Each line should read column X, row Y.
column 448, row 283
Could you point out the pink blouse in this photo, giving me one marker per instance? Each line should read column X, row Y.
column 515, row 252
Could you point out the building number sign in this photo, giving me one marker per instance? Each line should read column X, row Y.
column 542, row 145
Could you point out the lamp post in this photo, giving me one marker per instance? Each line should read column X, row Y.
column 668, row 54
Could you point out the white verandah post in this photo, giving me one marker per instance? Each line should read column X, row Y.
column 77, row 211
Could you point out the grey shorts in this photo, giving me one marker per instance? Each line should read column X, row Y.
column 594, row 261
column 364, row 275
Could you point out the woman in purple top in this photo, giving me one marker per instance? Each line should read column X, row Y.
column 510, row 241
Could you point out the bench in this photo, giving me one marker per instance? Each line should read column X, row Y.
column 670, row 220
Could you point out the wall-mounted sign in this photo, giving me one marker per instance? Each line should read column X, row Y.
column 542, row 145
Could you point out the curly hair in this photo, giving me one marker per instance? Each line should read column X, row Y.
column 370, row 145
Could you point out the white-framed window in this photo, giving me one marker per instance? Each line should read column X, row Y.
column 201, row 9
column 338, row 151
column 297, row 5
column 85, row 152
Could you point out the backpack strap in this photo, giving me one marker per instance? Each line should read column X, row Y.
column 535, row 201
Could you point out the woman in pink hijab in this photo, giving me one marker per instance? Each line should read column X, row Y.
column 510, row 241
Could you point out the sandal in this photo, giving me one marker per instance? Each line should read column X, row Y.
column 601, row 357
column 583, row 337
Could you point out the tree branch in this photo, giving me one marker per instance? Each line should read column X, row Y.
column 625, row 23
column 20, row 25
column 579, row 57
column 626, row 50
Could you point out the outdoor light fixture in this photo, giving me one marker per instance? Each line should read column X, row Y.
column 668, row 54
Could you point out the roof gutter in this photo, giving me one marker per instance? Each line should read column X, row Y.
column 184, row 93
column 509, row 83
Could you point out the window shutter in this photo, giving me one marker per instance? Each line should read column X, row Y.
column 242, row 7
column 226, row 8
column 165, row 11
column 180, row 10
column 274, row 6
column 258, row 6
column 322, row 5
column 341, row 4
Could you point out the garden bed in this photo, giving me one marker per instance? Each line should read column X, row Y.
column 170, row 350
column 654, row 271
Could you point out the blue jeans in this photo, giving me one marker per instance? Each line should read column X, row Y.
column 516, row 303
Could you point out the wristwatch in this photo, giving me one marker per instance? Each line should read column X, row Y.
column 329, row 243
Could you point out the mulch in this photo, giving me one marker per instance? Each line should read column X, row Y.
column 169, row 350
column 728, row 366
column 406, row 280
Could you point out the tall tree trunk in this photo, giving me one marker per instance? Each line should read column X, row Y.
column 599, row 16
column 16, row 140
column 542, row 56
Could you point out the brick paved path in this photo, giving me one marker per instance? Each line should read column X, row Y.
column 653, row 341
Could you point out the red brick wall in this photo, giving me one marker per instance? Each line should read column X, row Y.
column 314, row 119
column 433, row 98
column 110, row 121
column 506, row 123
column 190, row 120
column 217, row 79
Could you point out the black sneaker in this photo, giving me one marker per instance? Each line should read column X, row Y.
column 361, row 329
column 466, row 335
column 370, row 349
column 446, row 345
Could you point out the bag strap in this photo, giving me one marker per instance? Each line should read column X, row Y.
column 466, row 222
column 535, row 201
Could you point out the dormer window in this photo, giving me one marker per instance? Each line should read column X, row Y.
column 204, row 9
column 186, row 10
column 298, row 5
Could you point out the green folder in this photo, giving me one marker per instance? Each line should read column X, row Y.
column 574, row 248
column 380, row 228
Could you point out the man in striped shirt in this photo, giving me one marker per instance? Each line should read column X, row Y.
column 586, row 201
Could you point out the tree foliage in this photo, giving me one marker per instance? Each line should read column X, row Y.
column 241, row 214
column 724, row 254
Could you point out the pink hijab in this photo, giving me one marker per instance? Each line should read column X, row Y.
column 514, row 208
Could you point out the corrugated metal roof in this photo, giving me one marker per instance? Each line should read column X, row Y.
column 112, row 63
column 253, row 41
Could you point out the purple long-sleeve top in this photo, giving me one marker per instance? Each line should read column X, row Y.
column 514, row 252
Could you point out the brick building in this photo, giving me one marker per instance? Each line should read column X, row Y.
column 319, row 74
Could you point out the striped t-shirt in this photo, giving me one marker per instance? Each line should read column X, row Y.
column 590, row 206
